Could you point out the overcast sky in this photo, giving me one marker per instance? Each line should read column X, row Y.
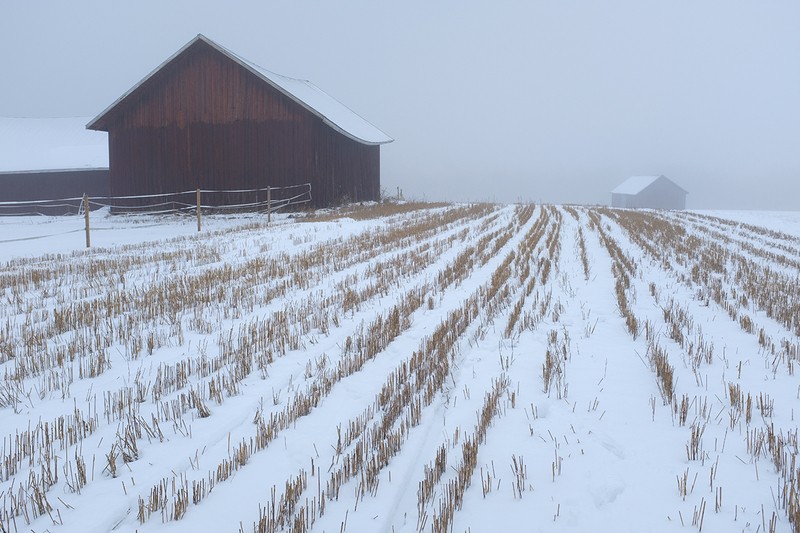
column 553, row 101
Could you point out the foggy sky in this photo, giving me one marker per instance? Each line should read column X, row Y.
column 550, row 101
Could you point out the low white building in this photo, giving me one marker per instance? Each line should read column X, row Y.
column 655, row 192
column 50, row 159
column 28, row 144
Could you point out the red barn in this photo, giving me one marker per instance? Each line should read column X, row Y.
column 208, row 119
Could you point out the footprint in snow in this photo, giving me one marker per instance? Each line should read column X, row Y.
column 606, row 491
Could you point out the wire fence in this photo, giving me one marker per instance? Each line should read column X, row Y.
column 267, row 199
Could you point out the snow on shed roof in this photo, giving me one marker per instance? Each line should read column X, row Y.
column 635, row 184
column 50, row 144
column 305, row 93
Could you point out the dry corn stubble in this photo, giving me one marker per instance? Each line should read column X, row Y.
column 725, row 274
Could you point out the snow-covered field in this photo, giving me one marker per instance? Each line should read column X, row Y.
column 434, row 368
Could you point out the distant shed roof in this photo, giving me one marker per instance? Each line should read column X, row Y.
column 635, row 184
column 305, row 93
column 28, row 144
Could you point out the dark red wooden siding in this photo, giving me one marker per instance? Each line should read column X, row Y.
column 51, row 185
column 205, row 121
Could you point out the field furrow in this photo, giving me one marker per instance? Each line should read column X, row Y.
column 407, row 367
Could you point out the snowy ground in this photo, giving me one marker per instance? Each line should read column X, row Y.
column 465, row 368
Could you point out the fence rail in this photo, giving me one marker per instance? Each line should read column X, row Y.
column 267, row 199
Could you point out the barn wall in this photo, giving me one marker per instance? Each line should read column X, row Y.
column 52, row 185
column 205, row 121
column 241, row 155
column 345, row 170
column 619, row 200
column 662, row 194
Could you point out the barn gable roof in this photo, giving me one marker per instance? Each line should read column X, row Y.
column 636, row 184
column 306, row 94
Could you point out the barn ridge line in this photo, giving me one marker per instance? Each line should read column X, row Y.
column 344, row 120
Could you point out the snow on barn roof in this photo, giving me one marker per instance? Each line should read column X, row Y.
column 305, row 93
column 635, row 184
column 50, row 144
column 332, row 112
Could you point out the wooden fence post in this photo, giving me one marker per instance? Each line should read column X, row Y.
column 86, row 216
column 198, row 210
column 269, row 204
